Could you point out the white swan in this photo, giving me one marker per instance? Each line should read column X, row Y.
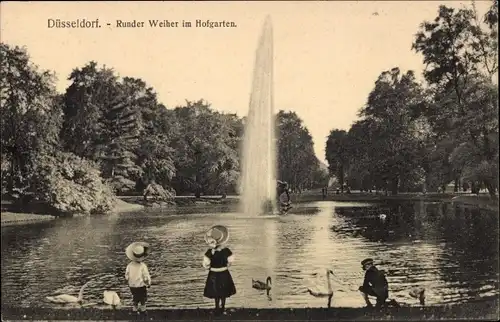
column 382, row 217
column 65, row 298
column 329, row 290
column 111, row 298
column 418, row 293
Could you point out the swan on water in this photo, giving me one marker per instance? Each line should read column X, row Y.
column 261, row 285
column 418, row 293
column 111, row 298
column 382, row 216
column 329, row 290
column 66, row 298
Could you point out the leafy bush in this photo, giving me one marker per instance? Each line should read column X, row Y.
column 121, row 186
column 157, row 192
column 71, row 185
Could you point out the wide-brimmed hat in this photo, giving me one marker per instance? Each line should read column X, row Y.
column 218, row 233
column 367, row 261
column 137, row 251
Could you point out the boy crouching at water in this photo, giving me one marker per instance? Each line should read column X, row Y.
column 375, row 284
column 137, row 274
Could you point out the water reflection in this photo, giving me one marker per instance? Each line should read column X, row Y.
column 452, row 252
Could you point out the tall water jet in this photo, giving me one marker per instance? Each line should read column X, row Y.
column 258, row 172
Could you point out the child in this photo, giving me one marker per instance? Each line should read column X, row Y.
column 375, row 284
column 217, row 259
column 137, row 274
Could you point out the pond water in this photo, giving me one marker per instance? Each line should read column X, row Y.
column 452, row 252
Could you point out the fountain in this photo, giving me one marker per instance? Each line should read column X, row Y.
column 258, row 172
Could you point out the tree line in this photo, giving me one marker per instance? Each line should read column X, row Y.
column 414, row 135
column 107, row 135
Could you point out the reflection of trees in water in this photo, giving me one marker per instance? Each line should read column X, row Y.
column 399, row 224
column 17, row 245
column 291, row 239
column 468, row 239
column 63, row 254
column 471, row 252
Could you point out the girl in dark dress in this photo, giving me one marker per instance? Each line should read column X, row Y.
column 217, row 259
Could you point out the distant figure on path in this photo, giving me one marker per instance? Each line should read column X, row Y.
column 284, row 196
column 137, row 274
column 217, row 259
column 375, row 284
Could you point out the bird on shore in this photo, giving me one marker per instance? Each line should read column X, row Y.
column 111, row 298
column 329, row 290
column 418, row 293
column 66, row 298
column 261, row 285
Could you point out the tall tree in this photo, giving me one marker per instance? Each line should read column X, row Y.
column 460, row 53
column 30, row 115
column 206, row 159
column 337, row 155
column 121, row 130
column 392, row 107
column 91, row 89
column 296, row 159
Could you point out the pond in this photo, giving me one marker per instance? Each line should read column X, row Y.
column 451, row 252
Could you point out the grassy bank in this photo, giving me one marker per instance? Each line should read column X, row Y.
column 466, row 312
column 11, row 216
column 482, row 201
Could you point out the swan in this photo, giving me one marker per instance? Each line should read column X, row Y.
column 418, row 293
column 65, row 298
column 328, row 293
column 111, row 298
column 382, row 216
column 261, row 285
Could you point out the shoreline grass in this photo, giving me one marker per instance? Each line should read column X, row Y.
column 126, row 204
column 12, row 217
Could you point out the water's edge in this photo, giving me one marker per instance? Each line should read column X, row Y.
column 468, row 311
column 18, row 218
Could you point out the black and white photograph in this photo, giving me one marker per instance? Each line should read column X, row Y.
column 249, row 160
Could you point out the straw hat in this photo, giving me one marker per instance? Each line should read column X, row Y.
column 218, row 234
column 137, row 251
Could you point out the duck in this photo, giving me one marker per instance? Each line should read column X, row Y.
column 66, row 298
column 418, row 293
column 261, row 285
column 111, row 298
column 329, row 290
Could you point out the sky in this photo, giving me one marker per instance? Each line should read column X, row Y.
column 327, row 55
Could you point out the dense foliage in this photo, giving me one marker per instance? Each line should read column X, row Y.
column 413, row 136
column 71, row 185
column 109, row 135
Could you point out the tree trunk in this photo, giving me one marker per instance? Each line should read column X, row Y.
column 491, row 188
column 456, row 185
column 475, row 188
column 394, row 186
